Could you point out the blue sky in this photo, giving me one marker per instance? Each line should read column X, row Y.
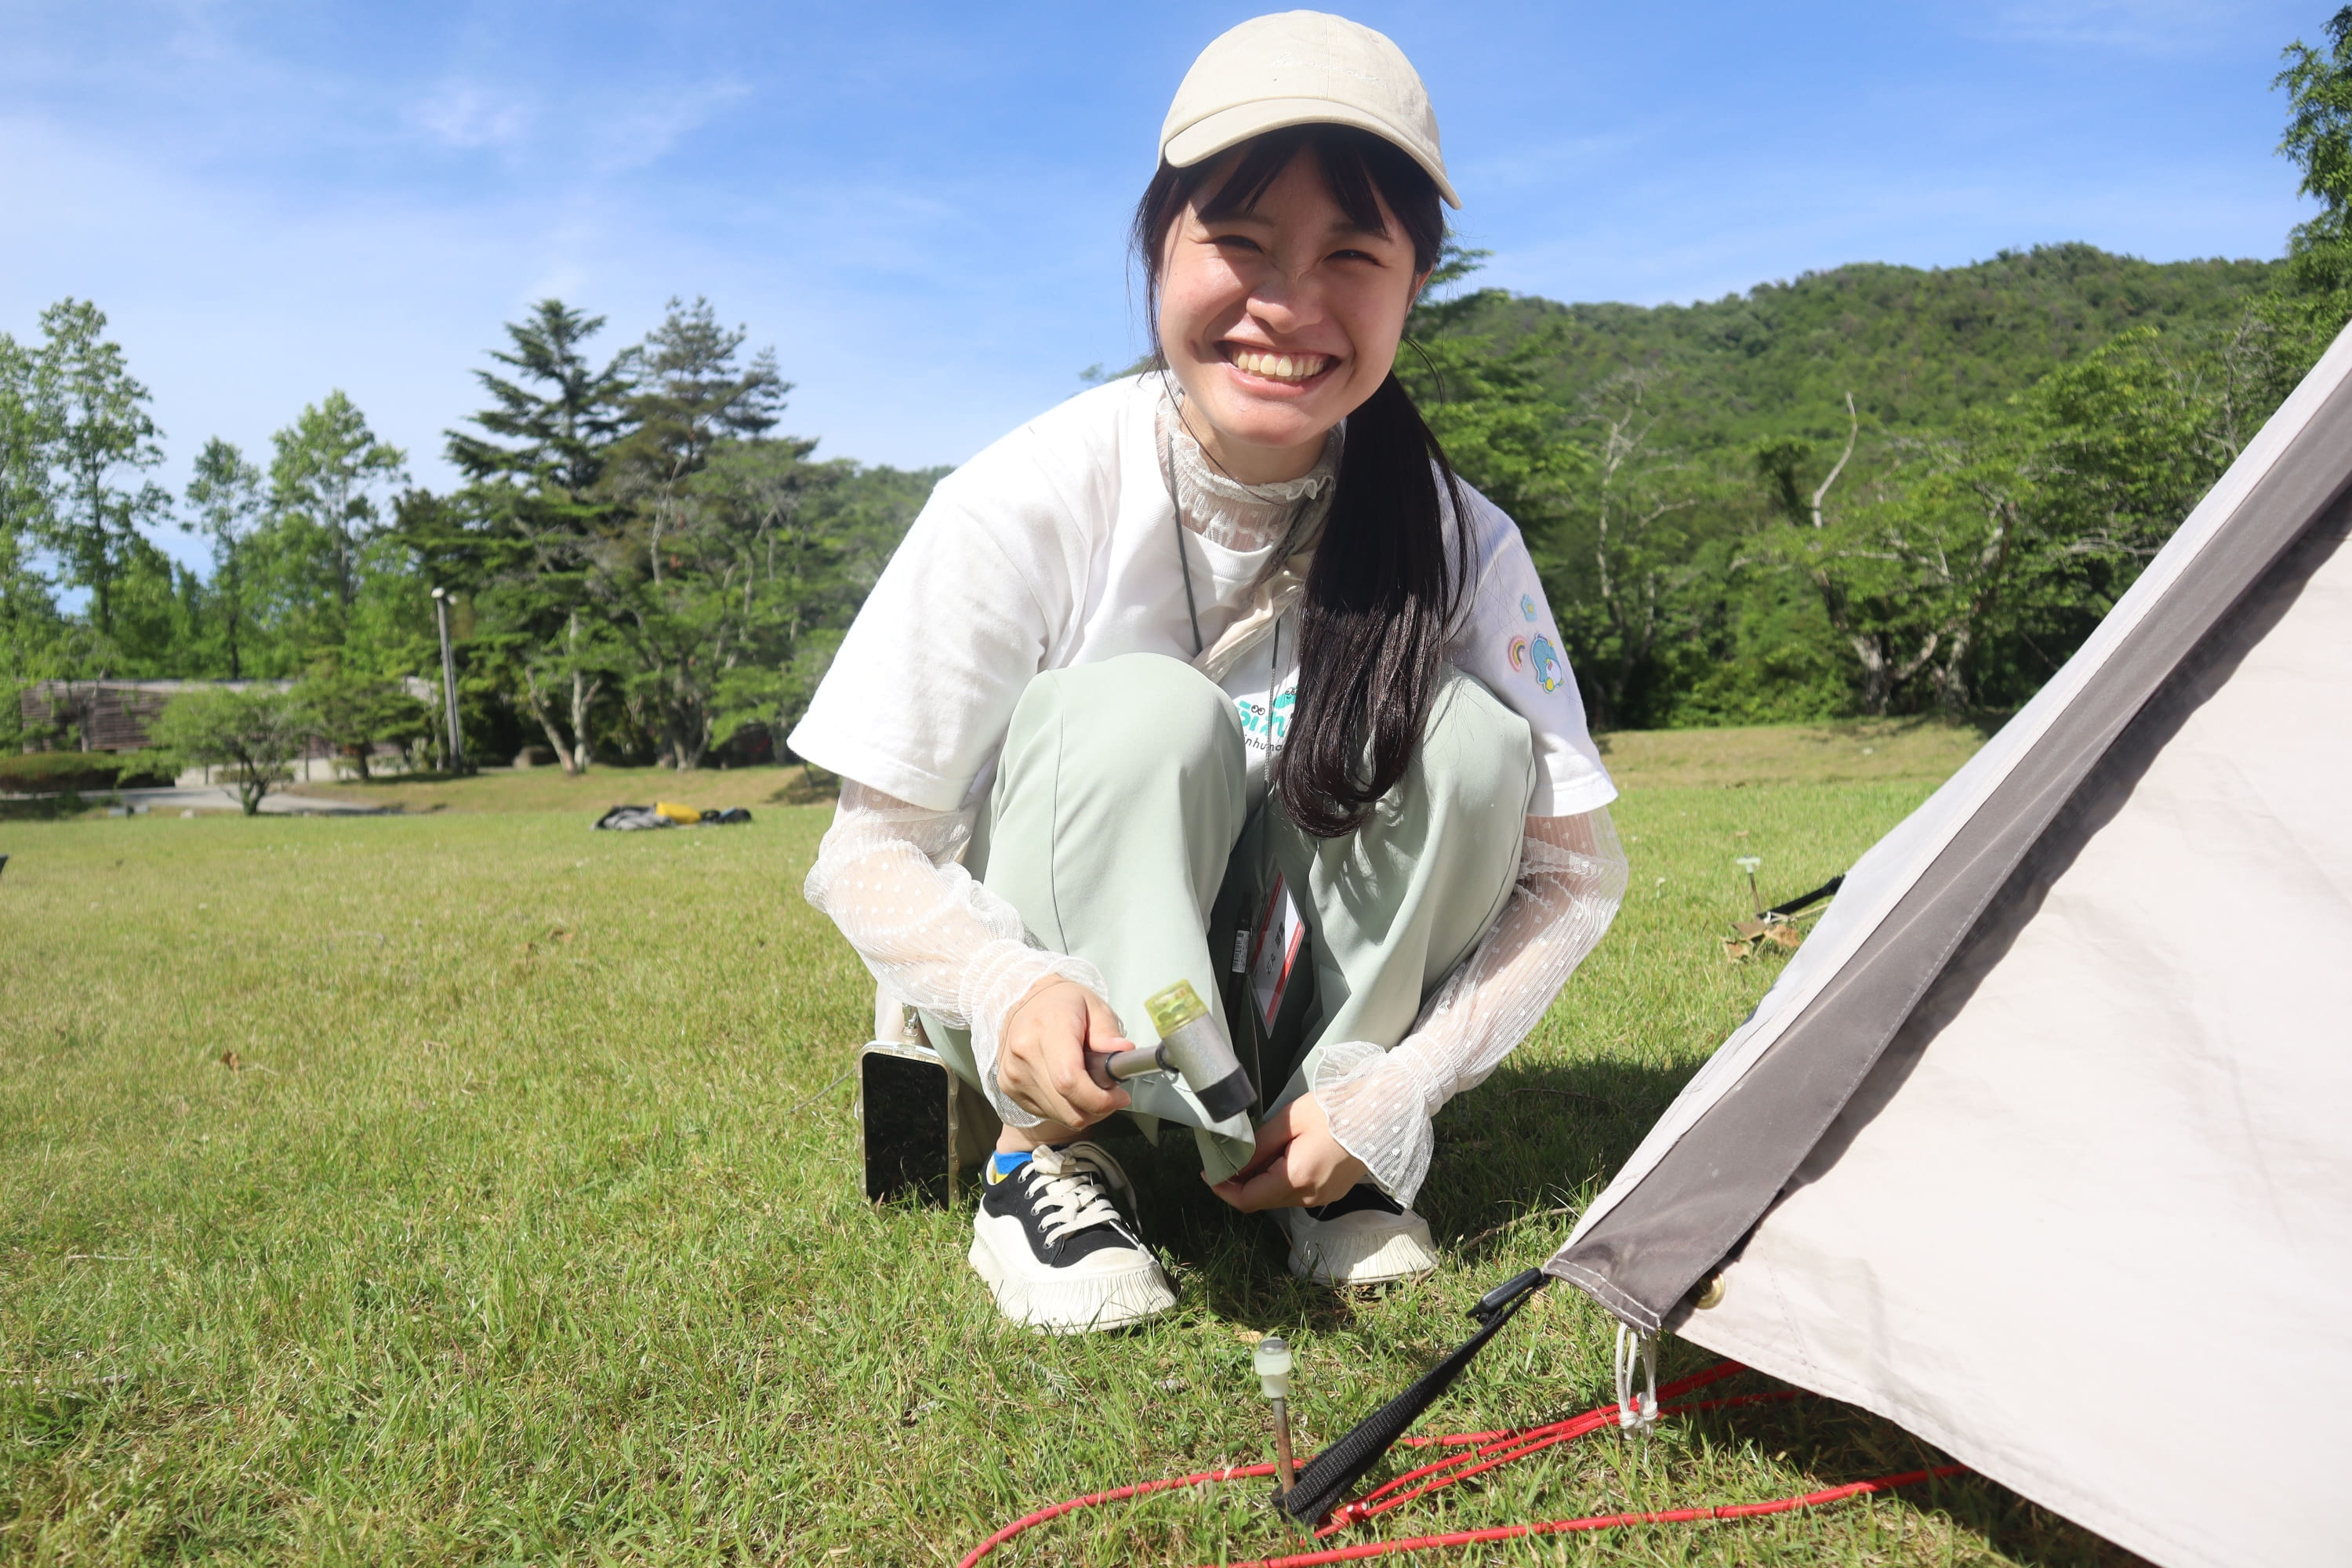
column 922, row 206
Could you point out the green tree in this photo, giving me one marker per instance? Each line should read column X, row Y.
column 1623, row 545
column 352, row 711
column 2319, row 138
column 548, row 535
column 1908, row 571
column 93, row 414
column 226, row 495
column 551, row 426
column 684, row 632
column 2104, row 461
column 27, row 430
column 323, row 471
column 256, row 734
column 691, row 395
column 31, row 631
column 792, row 546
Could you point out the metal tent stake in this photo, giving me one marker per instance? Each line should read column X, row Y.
column 1271, row 1361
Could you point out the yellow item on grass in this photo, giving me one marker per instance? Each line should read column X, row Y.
column 684, row 815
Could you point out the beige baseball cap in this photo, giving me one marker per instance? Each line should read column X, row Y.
column 1301, row 67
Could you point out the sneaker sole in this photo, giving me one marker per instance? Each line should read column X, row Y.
column 1083, row 1306
column 1380, row 1258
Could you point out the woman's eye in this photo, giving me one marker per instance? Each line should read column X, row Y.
column 1353, row 256
column 1235, row 242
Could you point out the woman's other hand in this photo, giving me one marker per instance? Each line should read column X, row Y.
column 1298, row 1162
column 1041, row 1058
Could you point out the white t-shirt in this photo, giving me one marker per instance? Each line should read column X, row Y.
column 1056, row 546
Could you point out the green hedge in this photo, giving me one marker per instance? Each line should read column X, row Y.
column 44, row 773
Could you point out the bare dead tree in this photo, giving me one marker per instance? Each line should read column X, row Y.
column 1630, row 589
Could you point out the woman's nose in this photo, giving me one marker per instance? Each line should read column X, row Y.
column 1286, row 301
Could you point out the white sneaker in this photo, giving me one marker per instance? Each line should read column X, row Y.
column 1057, row 1254
column 1366, row 1238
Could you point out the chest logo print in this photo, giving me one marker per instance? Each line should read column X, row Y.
column 1267, row 723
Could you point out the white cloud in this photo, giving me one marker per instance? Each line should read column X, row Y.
column 650, row 130
column 2135, row 26
column 463, row 115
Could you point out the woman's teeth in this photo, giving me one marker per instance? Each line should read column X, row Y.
column 1281, row 367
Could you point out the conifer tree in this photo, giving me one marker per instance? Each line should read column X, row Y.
column 546, row 528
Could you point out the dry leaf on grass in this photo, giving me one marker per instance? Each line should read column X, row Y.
column 1753, row 934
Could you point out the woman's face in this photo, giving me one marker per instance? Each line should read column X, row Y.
column 1280, row 322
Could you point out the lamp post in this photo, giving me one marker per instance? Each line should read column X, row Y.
column 449, row 683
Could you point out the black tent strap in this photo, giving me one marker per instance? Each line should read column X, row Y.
column 1337, row 1469
column 1787, row 907
column 1704, row 1197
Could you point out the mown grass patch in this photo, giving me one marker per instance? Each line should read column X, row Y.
column 527, row 1226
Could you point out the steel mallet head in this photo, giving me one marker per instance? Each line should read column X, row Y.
column 1192, row 1045
column 1192, row 1042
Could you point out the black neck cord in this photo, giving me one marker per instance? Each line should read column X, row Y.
column 1183, row 556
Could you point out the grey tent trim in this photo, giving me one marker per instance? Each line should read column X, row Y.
column 1689, row 1199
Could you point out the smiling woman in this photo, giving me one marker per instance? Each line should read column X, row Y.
column 1280, row 276
column 1205, row 679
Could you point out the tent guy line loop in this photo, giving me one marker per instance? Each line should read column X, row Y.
column 1483, row 1451
column 1636, row 1350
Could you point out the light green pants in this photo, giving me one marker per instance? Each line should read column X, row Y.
column 1120, row 825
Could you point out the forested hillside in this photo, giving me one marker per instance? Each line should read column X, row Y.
column 1918, row 347
column 1876, row 488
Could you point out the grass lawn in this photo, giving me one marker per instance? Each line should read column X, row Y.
column 526, row 1223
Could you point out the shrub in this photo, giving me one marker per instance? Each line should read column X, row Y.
column 151, row 769
column 49, row 773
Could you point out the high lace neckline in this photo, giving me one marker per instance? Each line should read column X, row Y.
column 1239, row 517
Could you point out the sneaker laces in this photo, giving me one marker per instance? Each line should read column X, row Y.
column 1068, row 1189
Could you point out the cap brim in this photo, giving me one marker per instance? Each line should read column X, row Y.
column 1229, row 128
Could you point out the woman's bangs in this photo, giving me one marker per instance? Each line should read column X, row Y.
column 1341, row 155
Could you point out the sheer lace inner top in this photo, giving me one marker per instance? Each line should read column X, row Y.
column 1239, row 517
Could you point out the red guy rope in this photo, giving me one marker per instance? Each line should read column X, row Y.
column 1487, row 1450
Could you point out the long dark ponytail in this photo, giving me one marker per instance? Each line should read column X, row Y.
column 1384, row 592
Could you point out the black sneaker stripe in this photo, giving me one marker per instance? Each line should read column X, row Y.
column 1355, row 1200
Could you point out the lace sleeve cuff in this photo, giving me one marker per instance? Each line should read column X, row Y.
column 1000, row 975
column 887, row 874
column 1379, row 1104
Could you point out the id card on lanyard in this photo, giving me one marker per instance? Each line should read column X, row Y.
column 1275, row 939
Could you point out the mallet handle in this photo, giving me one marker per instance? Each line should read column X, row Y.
column 1107, row 1070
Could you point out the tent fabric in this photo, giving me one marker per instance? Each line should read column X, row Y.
column 2099, row 1189
column 2046, row 1124
column 1723, row 1150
